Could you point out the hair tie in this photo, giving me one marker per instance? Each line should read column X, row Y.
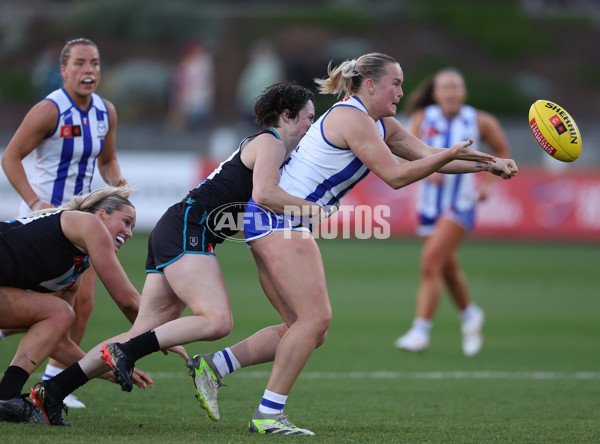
column 352, row 68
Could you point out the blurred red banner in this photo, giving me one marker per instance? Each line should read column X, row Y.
column 536, row 205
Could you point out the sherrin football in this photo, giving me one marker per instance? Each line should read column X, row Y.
column 555, row 130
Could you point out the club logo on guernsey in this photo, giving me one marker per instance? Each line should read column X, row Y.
column 102, row 129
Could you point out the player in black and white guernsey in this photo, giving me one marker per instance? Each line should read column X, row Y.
column 71, row 133
column 357, row 135
column 42, row 258
column 36, row 255
column 207, row 216
column 182, row 269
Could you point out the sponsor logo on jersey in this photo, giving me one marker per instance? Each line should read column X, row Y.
column 69, row 131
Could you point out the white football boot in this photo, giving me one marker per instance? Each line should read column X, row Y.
column 472, row 339
column 413, row 341
column 73, row 402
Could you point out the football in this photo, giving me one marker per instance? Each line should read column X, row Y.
column 555, row 130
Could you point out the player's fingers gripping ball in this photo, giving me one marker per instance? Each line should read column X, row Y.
column 555, row 130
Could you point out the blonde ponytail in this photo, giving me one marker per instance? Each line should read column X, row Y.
column 347, row 78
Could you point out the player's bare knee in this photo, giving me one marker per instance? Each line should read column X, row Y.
column 320, row 324
column 430, row 268
column 220, row 326
column 61, row 316
column 321, row 340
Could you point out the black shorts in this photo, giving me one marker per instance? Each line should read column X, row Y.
column 182, row 229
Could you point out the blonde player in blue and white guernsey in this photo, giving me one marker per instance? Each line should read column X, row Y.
column 357, row 135
column 71, row 133
column 446, row 208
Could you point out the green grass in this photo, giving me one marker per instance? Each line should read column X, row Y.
column 526, row 385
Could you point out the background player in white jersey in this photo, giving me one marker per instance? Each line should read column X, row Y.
column 446, row 210
column 357, row 135
column 71, row 132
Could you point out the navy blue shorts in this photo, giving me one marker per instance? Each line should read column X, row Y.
column 182, row 229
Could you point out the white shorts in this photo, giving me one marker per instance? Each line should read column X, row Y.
column 465, row 218
column 260, row 222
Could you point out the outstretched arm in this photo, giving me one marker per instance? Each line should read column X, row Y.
column 407, row 146
column 352, row 128
column 91, row 236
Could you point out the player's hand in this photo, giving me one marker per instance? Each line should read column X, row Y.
column 45, row 206
column 141, row 379
column 176, row 349
column 463, row 151
column 505, row 168
column 327, row 211
column 119, row 183
column 108, row 376
column 138, row 377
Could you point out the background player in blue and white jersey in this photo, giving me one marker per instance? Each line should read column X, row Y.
column 446, row 207
column 357, row 135
column 70, row 133
column 43, row 257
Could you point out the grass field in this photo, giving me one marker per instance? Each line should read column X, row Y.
column 537, row 378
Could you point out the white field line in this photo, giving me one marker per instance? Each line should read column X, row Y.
column 523, row 375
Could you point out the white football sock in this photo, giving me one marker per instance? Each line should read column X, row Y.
column 468, row 312
column 422, row 325
column 272, row 403
column 226, row 362
column 50, row 372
